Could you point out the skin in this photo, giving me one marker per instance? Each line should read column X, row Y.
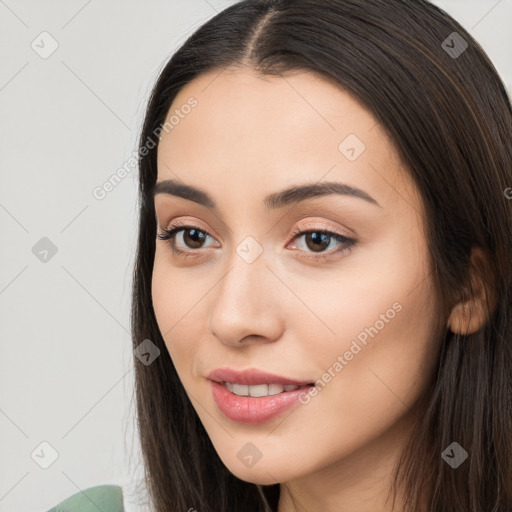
column 250, row 136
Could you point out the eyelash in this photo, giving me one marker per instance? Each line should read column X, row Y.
column 169, row 235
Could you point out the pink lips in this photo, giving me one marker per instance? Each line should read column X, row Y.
column 252, row 376
column 247, row 409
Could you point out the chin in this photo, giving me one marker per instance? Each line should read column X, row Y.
column 260, row 476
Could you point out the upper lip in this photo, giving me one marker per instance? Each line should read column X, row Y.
column 252, row 376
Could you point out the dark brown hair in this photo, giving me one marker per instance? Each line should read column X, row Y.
column 449, row 115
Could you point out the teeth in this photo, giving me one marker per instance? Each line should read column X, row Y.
column 240, row 389
column 275, row 389
column 258, row 390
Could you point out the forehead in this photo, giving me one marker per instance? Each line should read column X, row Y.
column 253, row 134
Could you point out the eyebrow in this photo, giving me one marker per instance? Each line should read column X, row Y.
column 292, row 195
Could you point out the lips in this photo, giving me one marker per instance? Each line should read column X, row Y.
column 248, row 409
column 253, row 377
column 254, row 396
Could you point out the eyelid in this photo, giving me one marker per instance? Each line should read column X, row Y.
column 323, row 225
column 190, row 224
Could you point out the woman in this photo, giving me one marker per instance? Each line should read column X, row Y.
column 322, row 292
column 399, row 109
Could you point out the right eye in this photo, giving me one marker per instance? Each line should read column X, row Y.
column 185, row 236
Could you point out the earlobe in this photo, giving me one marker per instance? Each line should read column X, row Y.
column 466, row 318
column 470, row 315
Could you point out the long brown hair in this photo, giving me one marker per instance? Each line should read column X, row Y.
column 443, row 104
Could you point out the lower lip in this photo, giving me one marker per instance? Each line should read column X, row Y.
column 248, row 409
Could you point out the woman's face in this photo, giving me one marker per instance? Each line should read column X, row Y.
column 354, row 314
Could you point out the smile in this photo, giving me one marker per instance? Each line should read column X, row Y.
column 255, row 403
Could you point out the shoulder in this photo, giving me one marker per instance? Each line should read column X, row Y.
column 108, row 498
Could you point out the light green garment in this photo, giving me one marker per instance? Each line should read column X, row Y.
column 101, row 498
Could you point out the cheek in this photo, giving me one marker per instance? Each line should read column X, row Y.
column 171, row 304
column 181, row 302
column 375, row 390
column 383, row 316
column 173, row 291
column 161, row 295
column 374, row 292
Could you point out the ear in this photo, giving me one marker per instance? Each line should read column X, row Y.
column 471, row 315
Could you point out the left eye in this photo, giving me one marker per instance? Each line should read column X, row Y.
column 319, row 241
column 316, row 241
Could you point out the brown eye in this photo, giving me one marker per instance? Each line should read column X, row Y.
column 320, row 244
column 317, row 241
column 193, row 238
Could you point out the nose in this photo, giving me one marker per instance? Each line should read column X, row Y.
column 247, row 305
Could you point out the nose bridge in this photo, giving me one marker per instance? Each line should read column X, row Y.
column 245, row 303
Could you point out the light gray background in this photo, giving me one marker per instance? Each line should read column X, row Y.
column 68, row 122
